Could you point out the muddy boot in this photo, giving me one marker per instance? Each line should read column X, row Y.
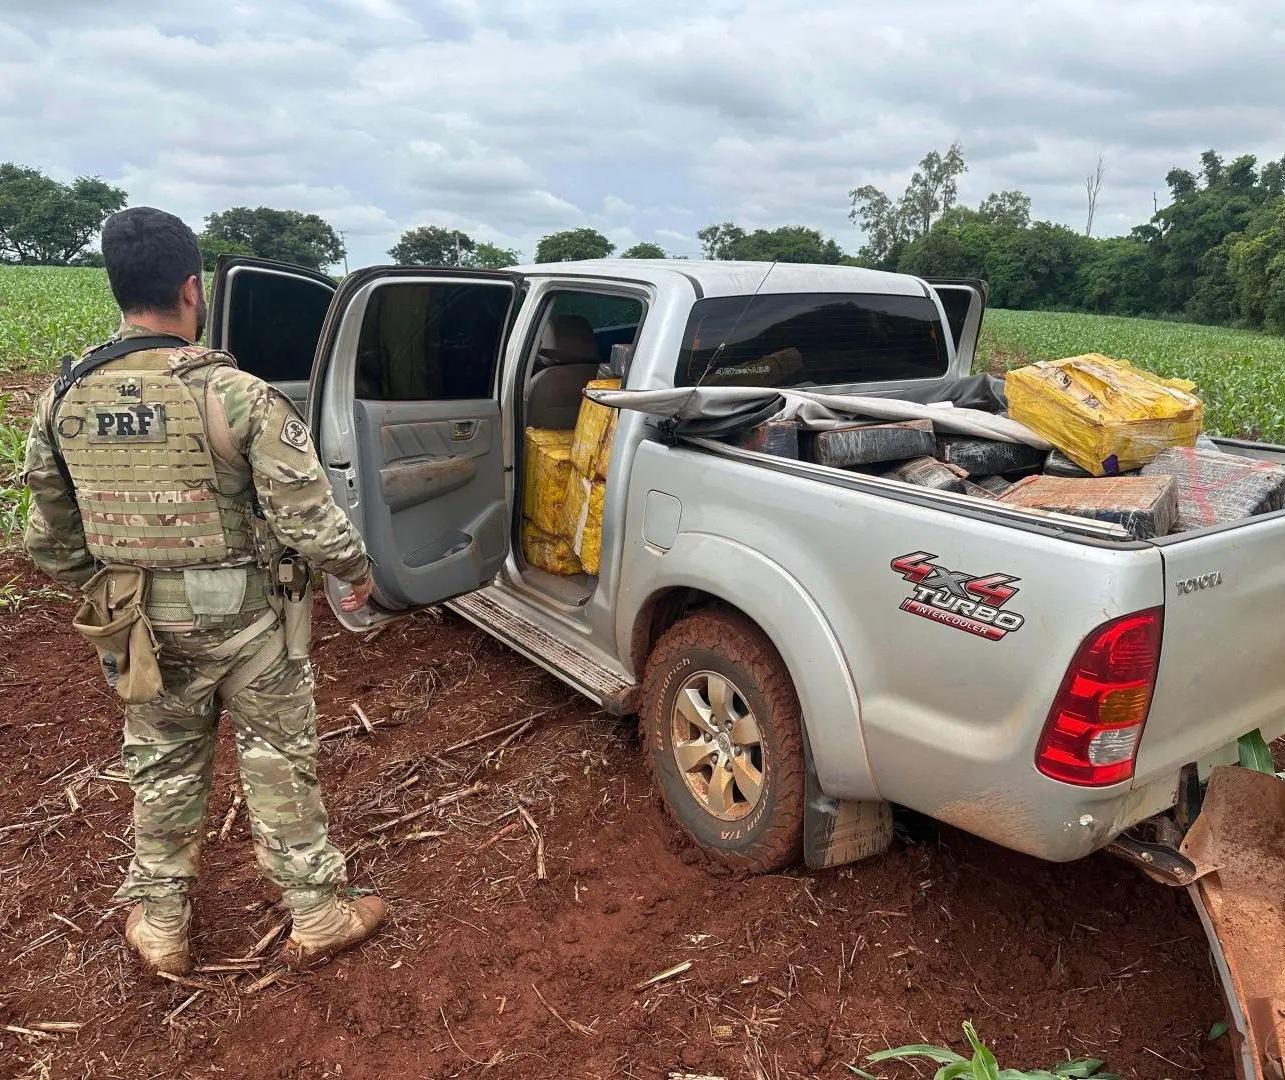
column 328, row 924
column 157, row 931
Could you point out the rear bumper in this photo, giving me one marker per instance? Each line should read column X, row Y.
column 1060, row 822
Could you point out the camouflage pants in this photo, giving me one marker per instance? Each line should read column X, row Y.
column 169, row 756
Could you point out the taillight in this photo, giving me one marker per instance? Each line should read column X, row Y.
column 1093, row 730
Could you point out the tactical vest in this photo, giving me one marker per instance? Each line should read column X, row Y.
column 134, row 441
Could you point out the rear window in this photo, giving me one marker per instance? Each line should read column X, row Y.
column 431, row 341
column 811, row 339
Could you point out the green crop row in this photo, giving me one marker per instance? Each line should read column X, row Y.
column 48, row 311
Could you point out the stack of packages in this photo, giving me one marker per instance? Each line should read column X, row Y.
column 1128, row 450
column 544, row 490
column 563, row 489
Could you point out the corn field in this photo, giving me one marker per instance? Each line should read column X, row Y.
column 47, row 311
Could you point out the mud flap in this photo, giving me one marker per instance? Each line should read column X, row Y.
column 838, row 831
column 1238, row 846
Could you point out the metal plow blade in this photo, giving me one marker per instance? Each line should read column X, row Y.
column 1238, row 846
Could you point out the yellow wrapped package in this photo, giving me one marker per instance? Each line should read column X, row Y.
column 548, row 466
column 582, row 520
column 1106, row 415
column 595, row 427
column 551, row 553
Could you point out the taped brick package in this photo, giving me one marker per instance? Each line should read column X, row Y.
column 780, row 438
column 986, row 457
column 1058, row 464
column 930, row 473
column 595, row 428
column 868, row 444
column 1214, row 487
column 582, row 520
column 547, row 467
column 1146, row 506
column 548, row 552
column 1105, row 415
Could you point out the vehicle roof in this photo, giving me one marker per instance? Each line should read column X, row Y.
column 726, row 278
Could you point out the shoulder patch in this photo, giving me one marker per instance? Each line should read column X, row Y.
column 294, row 433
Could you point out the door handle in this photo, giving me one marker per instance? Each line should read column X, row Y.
column 462, row 430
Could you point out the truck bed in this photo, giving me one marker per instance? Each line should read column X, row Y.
column 949, row 720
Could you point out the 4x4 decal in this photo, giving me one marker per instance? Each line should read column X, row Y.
column 957, row 599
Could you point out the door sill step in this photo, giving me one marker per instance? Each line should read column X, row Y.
column 609, row 689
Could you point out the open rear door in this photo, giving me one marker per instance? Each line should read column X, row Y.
column 269, row 316
column 965, row 302
column 404, row 406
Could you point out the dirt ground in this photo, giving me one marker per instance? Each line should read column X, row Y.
column 487, row 969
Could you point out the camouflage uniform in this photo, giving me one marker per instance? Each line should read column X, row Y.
column 266, row 456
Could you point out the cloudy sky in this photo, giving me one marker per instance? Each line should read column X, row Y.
column 511, row 120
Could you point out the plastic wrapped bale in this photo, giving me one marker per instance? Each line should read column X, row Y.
column 547, row 552
column 1146, row 506
column 595, row 427
column 780, row 438
column 986, row 457
column 930, row 473
column 1105, row 415
column 582, row 520
column 977, row 491
column 996, row 485
column 1214, row 487
column 869, row 444
column 1058, row 464
column 547, row 468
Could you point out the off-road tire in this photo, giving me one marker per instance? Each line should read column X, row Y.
column 731, row 645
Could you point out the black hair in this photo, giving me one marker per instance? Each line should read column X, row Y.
column 148, row 254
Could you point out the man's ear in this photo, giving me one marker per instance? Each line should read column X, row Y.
column 191, row 291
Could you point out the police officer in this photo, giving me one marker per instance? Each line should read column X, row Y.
column 171, row 485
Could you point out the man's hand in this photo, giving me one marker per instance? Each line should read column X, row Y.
column 359, row 595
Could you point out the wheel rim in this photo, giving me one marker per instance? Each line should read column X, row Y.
column 717, row 746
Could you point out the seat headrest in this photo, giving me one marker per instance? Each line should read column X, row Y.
column 568, row 339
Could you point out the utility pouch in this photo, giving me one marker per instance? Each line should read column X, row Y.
column 294, row 589
column 112, row 619
column 215, row 591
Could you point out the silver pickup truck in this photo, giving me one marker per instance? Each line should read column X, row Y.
column 804, row 645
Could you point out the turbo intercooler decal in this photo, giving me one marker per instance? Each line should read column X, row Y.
column 954, row 598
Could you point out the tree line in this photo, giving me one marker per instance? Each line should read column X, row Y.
column 1215, row 253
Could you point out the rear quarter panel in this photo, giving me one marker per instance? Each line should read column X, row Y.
column 934, row 718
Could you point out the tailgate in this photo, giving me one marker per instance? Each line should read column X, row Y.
column 1222, row 660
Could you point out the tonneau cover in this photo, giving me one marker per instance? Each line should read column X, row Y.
column 814, row 410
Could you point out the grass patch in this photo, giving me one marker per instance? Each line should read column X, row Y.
column 1239, row 374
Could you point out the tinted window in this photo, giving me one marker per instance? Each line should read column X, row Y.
column 431, row 341
column 811, row 339
column 955, row 302
column 274, row 322
column 613, row 320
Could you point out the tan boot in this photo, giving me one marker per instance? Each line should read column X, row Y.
column 330, row 927
column 157, row 931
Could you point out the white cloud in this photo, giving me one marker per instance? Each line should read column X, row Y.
column 513, row 120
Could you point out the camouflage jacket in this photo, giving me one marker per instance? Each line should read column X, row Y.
column 274, row 454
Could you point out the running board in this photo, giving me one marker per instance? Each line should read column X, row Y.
column 609, row 689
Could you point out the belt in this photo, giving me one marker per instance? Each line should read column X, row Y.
column 167, row 597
